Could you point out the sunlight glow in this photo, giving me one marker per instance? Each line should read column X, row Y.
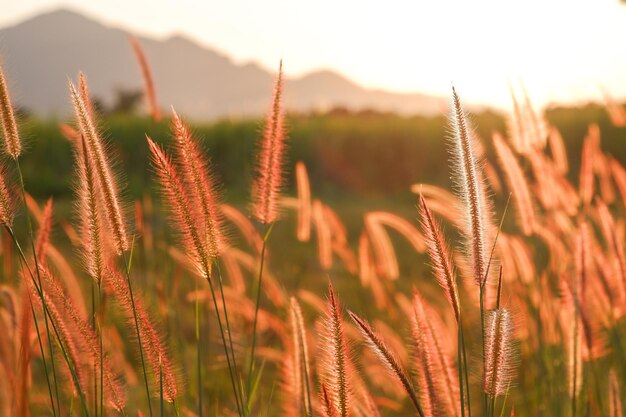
column 562, row 50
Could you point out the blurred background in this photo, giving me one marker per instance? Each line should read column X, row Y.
column 367, row 87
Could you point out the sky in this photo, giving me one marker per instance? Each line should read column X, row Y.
column 560, row 50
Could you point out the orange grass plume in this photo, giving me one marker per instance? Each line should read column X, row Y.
column 12, row 143
column 269, row 179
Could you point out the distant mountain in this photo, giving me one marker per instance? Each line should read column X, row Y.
column 41, row 53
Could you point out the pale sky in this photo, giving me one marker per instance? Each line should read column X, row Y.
column 562, row 50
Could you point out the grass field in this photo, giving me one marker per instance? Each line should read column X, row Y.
column 334, row 265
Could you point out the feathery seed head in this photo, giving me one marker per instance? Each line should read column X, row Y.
column 198, row 177
column 43, row 234
column 335, row 366
column 270, row 171
column 500, row 363
column 177, row 198
column 94, row 244
column 99, row 160
column 148, row 81
column 438, row 378
column 304, row 203
column 7, row 204
column 151, row 339
column 440, row 257
column 472, row 192
column 297, row 369
column 12, row 143
column 517, row 184
column 378, row 346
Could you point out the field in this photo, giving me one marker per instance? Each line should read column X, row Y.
column 324, row 264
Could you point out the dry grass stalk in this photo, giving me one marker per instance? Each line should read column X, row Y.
column 499, row 353
column 153, row 344
column 244, row 225
column 42, row 240
column 7, row 204
column 23, row 380
column 366, row 267
column 177, row 197
column 273, row 290
column 440, row 257
column 387, row 357
column 619, row 176
column 336, row 359
column 96, row 153
column 472, row 193
column 400, row 225
column 269, row 179
column 324, row 235
column 516, row 127
column 200, row 184
column 298, row 365
column 146, row 74
column 62, row 325
column 303, row 231
column 12, row 143
column 84, row 94
column 558, row 151
column 383, row 251
column 535, row 123
column 616, row 111
column 491, row 175
column 66, row 273
column 88, row 341
column 590, row 148
column 327, row 403
column 571, row 325
column 93, row 246
column 439, row 382
column 615, row 399
column 516, row 181
column 339, row 239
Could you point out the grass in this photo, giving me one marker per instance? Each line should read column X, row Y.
column 255, row 328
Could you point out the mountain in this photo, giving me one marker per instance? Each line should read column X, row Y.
column 41, row 53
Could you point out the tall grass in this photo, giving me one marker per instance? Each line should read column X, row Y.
column 542, row 337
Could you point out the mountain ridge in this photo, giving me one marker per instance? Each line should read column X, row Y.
column 40, row 53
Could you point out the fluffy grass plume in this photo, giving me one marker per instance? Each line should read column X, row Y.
column 23, row 374
column 269, row 174
column 146, row 74
column 7, row 203
column 297, row 385
column 177, row 199
column 586, row 178
column 200, row 185
column 304, row 203
column 385, row 355
column 91, row 222
column 12, row 143
column 440, row 257
column 88, row 340
column 324, row 235
column 152, row 340
column 335, row 367
column 64, row 333
column 472, row 192
column 96, row 153
column 500, row 362
column 42, row 240
column 517, row 184
column 438, row 380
